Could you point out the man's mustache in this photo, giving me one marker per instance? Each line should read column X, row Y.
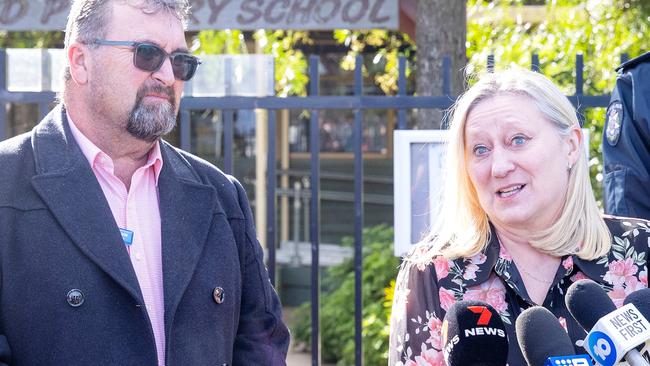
column 157, row 89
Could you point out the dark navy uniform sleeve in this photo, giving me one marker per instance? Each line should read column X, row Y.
column 626, row 142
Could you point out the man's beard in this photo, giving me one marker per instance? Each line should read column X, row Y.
column 149, row 122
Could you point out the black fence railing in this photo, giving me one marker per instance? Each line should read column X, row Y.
column 314, row 102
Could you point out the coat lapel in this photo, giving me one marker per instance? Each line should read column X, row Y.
column 186, row 210
column 67, row 185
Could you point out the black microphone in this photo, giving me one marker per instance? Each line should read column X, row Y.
column 543, row 341
column 640, row 299
column 615, row 333
column 588, row 302
column 473, row 334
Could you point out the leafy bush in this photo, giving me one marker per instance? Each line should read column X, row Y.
column 380, row 267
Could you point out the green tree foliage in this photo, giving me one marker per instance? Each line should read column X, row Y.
column 337, row 305
column 387, row 46
column 599, row 30
column 31, row 39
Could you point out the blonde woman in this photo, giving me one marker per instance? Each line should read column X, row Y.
column 518, row 223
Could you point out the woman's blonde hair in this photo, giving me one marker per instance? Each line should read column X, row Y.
column 462, row 228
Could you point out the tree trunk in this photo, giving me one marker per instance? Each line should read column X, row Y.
column 440, row 30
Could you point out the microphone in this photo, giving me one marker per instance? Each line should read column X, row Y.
column 543, row 341
column 473, row 334
column 641, row 299
column 613, row 333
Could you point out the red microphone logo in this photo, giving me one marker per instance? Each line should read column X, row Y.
column 485, row 316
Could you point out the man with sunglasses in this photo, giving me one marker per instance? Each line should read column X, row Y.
column 115, row 247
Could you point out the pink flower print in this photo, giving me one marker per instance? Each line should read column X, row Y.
column 620, row 272
column 442, row 267
column 618, row 296
column 643, row 277
column 568, row 263
column 470, row 271
column 447, row 298
column 491, row 291
column 633, row 284
column 435, row 332
column 478, row 258
column 578, row 276
column 503, row 254
column 430, row 357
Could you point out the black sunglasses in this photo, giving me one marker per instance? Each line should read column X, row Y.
column 150, row 57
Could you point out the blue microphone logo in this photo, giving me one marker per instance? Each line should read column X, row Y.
column 601, row 348
column 579, row 360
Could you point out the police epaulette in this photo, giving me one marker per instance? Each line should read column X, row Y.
column 634, row 61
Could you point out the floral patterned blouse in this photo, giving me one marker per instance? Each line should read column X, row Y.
column 426, row 289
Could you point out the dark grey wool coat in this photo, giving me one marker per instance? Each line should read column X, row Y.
column 57, row 234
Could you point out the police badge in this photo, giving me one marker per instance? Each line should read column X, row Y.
column 614, row 122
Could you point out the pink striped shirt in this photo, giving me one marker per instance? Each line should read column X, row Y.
column 136, row 209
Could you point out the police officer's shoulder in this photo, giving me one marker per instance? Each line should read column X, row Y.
column 633, row 62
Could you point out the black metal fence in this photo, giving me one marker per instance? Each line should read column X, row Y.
column 314, row 102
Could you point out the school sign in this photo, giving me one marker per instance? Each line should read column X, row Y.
column 228, row 14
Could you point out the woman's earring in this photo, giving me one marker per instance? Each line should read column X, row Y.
column 569, row 166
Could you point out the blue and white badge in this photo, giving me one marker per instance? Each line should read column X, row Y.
column 127, row 236
column 601, row 348
column 575, row 360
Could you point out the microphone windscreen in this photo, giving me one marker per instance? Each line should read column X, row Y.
column 473, row 334
column 640, row 299
column 588, row 302
column 541, row 336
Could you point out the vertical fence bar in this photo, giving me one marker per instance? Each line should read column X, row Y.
column 186, row 130
column 305, row 212
column 446, row 74
column 624, row 57
column 43, row 109
column 534, row 62
column 3, row 90
column 228, row 121
column 490, row 63
column 579, row 88
column 270, row 196
column 579, row 71
column 228, row 117
column 401, row 91
column 314, row 140
column 358, row 216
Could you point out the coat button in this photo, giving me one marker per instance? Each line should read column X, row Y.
column 218, row 295
column 75, row 297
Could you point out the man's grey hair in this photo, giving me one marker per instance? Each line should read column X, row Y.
column 88, row 19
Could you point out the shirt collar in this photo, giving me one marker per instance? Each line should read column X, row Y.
column 97, row 157
column 494, row 258
column 477, row 268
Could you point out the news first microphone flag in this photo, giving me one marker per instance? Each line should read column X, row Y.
column 616, row 334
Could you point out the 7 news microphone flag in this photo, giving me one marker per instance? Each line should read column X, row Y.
column 473, row 334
